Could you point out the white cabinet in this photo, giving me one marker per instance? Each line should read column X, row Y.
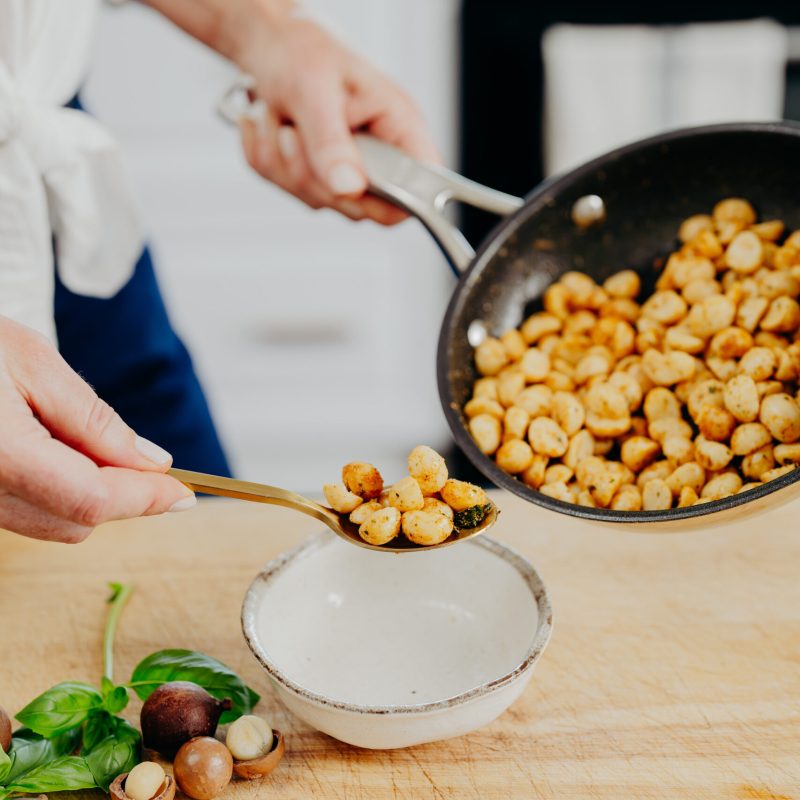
column 315, row 337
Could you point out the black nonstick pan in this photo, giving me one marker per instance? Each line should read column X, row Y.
column 629, row 204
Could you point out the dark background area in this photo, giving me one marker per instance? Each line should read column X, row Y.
column 502, row 79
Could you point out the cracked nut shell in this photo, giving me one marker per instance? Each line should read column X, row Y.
column 262, row 766
column 117, row 788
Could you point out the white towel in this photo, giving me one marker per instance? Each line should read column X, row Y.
column 606, row 86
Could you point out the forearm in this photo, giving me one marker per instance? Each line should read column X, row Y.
column 222, row 25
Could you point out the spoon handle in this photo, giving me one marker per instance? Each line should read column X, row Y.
column 256, row 492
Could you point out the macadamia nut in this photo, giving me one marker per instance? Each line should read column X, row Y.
column 406, row 495
column 692, row 387
column 362, row 479
column 428, row 469
column 381, row 526
column 460, row 495
column 427, row 527
column 340, row 499
column 249, row 737
column 144, row 781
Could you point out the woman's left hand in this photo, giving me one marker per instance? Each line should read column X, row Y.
column 317, row 93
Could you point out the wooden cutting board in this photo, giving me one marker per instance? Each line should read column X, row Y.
column 673, row 672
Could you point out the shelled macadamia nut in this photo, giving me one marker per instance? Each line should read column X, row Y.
column 697, row 382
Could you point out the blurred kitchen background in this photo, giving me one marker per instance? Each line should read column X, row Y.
column 315, row 336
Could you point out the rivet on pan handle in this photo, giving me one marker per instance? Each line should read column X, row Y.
column 424, row 190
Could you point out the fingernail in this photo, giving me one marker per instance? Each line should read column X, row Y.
column 151, row 451
column 184, row 504
column 287, row 142
column 352, row 209
column 346, row 179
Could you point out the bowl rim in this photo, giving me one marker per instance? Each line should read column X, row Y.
column 314, row 543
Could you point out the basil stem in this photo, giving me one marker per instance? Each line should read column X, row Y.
column 120, row 592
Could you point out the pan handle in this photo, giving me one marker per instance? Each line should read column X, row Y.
column 424, row 190
column 421, row 189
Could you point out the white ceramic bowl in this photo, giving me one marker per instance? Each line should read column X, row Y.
column 386, row 651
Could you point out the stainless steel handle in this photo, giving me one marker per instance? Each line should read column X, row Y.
column 424, row 190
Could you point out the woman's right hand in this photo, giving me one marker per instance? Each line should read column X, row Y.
column 67, row 460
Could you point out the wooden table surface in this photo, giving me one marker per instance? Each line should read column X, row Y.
column 673, row 671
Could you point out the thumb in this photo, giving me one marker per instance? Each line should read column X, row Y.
column 320, row 117
column 69, row 408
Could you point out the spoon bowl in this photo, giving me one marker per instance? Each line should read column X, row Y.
column 338, row 523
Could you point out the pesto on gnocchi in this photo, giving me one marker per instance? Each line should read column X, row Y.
column 426, row 506
column 608, row 399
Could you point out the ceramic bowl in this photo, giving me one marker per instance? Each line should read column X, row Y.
column 385, row 651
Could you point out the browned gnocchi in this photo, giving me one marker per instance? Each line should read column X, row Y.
column 607, row 398
column 427, row 505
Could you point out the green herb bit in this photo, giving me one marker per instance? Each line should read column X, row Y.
column 471, row 517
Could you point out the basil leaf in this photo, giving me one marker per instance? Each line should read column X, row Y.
column 64, row 706
column 114, row 755
column 29, row 750
column 124, row 732
column 187, row 665
column 65, row 773
column 116, row 700
column 252, row 698
column 99, row 726
column 5, row 764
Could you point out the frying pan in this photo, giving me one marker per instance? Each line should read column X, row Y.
column 629, row 204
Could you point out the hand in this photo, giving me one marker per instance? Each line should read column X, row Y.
column 67, row 460
column 317, row 93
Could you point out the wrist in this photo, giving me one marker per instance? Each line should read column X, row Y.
column 252, row 24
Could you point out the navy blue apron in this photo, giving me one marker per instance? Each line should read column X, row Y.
column 126, row 349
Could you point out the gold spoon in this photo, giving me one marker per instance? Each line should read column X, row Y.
column 338, row 523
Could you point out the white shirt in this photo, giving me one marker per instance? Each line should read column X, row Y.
column 61, row 174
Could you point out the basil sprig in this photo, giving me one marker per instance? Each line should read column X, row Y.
column 215, row 677
column 74, row 739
